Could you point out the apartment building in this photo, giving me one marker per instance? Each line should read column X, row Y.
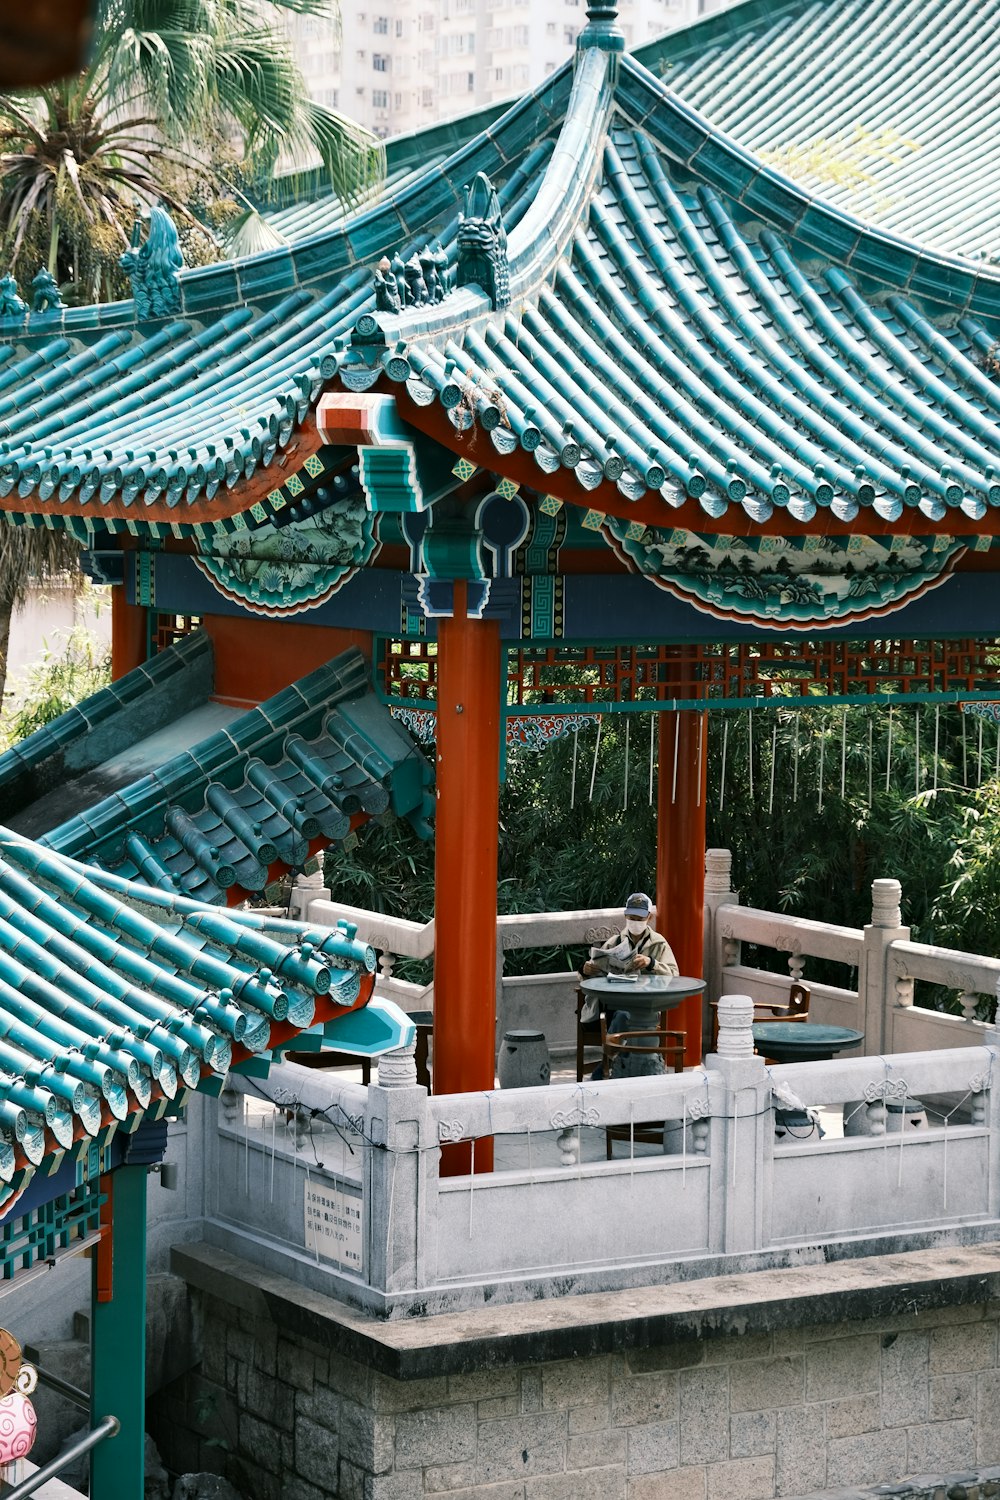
column 397, row 65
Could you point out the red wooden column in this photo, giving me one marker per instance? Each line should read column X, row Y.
column 128, row 633
column 465, row 865
column 680, row 856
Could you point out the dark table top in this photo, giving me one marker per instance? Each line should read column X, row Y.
column 647, row 989
column 803, row 1041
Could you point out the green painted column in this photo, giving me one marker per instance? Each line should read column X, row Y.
column 118, row 1338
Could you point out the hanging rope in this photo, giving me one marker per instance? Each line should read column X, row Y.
column 572, row 776
column 965, row 756
column 722, row 779
column 677, row 745
column 750, row 750
column 625, row 795
column 888, row 753
column 871, row 755
column 916, row 745
column 822, row 747
column 701, row 735
column 774, row 756
column 979, row 772
column 843, row 754
column 593, row 772
column 937, row 737
column 652, row 742
column 795, row 761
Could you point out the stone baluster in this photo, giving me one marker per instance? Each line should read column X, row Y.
column 401, row 1172
column 305, row 890
column 735, row 1026
column 969, row 1002
column 876, row 993
column 568, row 1143
column 903, row 989
column 386, row 964
column 796, row 965
column 719, row 952
column 739, row 1097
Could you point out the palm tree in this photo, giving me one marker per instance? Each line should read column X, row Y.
column 170, row 86
column 28, row 555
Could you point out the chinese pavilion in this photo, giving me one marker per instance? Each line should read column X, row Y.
column 672, row 381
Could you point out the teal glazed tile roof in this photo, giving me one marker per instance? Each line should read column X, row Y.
column 116, row 1001
column 889, row 111
column 683, row 320
column 153, row 420
column 674, row 329
column 259, row 795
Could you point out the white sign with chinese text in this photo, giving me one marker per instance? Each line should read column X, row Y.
column 333, row 1223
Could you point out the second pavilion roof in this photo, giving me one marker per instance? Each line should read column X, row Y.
column 683, row 324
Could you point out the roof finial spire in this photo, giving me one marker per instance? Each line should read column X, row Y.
column 602, row 29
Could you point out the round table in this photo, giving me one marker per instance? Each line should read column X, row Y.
column 802, row 1041
column 644, row 998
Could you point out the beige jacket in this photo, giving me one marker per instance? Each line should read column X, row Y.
column 650, row 943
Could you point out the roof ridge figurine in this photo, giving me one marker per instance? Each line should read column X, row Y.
column 482, row 243
column 153, row 266
column 46, row 294
column 12, row 304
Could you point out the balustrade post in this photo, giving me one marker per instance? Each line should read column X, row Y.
column 401, row 1173
column 718, row 892
column 305, row 890
column 876, row 987
column 742, row 1131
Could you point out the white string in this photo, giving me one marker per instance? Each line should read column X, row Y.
column 843, row 754
column 677, row 745
column 684, row 1146
column 722, row 779
column 916, row 742
column 965, row 756
column 597, row 746
column 888, row 753
column 274, row 1128
column 822, row 748
column 701, row 731
column 795, row 762
column 735, row 1135
column 774, row 756
column 472, row 1179
column 572, row 778
column 625, row 795
column 750, row 750
column 944, row 1168
column 531, row 1169
column 652, row 732
column 979, row 774
column 871, row 762
column 937, row 734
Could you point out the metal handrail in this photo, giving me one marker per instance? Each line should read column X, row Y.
column 106, row 1427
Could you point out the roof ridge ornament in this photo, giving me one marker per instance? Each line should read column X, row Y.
column 482, row 243
column 602, row 28
column 153, row 266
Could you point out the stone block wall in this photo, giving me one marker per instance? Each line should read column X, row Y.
column 789, row 1413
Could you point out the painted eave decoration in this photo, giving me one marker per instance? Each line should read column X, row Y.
column 602, row 289
column 116, row 1001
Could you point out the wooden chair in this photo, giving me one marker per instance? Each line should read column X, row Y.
column 662, row 1040
column 588, row 1033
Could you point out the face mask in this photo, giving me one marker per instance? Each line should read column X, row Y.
column 634, row 928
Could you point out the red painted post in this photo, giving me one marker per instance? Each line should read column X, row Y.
column 465, row 865
column 680, row 856
column 128, row 633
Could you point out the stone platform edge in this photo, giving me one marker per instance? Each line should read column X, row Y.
column 600, row 1322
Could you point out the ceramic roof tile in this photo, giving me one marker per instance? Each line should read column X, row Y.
column 116, row 1001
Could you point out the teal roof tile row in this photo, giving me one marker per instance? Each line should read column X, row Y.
column 888, row 111
column 227, row 814
column 115, row 1002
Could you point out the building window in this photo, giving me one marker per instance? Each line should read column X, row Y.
column 380, row 98
column 471, row 84
column 380, row 25
column 380, row 62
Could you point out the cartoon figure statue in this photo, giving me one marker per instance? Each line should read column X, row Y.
column 17, row 1414
column 415, row 282
column 153, row 267
column 386, row 288
column 429, row 264
column 12, row 305
column 46, row 295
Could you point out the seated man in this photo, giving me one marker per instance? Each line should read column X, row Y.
column 636, row 949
